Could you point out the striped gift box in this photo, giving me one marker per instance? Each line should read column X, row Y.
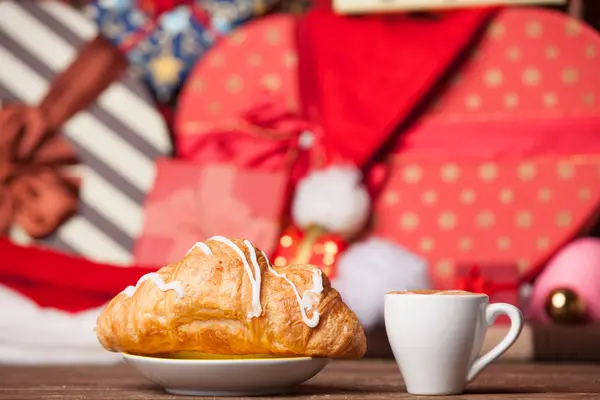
column 116, row 140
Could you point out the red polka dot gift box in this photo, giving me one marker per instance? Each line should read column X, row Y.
column 502, row 213
column 504, row 169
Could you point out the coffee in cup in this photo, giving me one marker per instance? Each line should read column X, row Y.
column 436, row 337
column 437, row 292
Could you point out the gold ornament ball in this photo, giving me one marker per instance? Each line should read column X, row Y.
column 565, row 306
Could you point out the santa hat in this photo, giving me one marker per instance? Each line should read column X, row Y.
column 358, row 91
column 366, row 78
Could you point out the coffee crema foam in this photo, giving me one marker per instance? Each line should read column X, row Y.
column 437, row 292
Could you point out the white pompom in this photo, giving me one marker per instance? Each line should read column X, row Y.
column 333, row 199
column 370, row 269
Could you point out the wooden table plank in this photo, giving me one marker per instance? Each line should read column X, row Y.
column 367, row 380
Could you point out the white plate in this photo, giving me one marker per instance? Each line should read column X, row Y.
column 227, row 377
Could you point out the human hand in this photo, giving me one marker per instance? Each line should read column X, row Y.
column 24, row 130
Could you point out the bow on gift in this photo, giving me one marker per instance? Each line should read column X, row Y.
column 475, row 282
column 266, row 136
column 36, row 193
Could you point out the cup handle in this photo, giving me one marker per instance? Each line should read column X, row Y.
column 516, row 324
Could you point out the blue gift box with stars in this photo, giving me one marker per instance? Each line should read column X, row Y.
column 163, row 51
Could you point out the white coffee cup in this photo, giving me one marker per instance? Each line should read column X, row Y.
column 436, row 337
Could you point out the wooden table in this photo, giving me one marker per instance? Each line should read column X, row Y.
column 340, row 380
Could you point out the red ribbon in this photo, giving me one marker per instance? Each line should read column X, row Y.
column 155, row 9
column 62, row 281
column 266, row 136
column 475, row 282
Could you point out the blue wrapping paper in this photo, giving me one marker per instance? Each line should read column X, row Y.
column 171, row 45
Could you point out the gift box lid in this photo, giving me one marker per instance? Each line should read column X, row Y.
column 530, row 89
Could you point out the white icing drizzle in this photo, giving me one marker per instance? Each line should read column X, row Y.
column 254, row 280
column 202, row 246
column 257, row 274
column 158, row 281
column 305, row 302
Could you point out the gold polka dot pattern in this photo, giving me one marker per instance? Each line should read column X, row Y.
column 534, row 68
column 530, row 61
column 255, row 58
column 513, row 212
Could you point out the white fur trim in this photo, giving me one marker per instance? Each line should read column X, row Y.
column 370, row 269
column 29, row 355
column 334, row 199
column 30, row 334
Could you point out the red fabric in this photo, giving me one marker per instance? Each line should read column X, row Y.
column 372, row 72
column 504, row 141
column 155, row 8
column 53, row 279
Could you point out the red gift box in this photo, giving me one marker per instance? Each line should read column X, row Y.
column 504, row 165
column 454, row 213
column 191, row 202
column 310, row 246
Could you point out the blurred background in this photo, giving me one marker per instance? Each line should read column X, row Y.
column 396, row 145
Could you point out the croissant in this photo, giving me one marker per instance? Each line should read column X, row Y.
column 225, row 298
